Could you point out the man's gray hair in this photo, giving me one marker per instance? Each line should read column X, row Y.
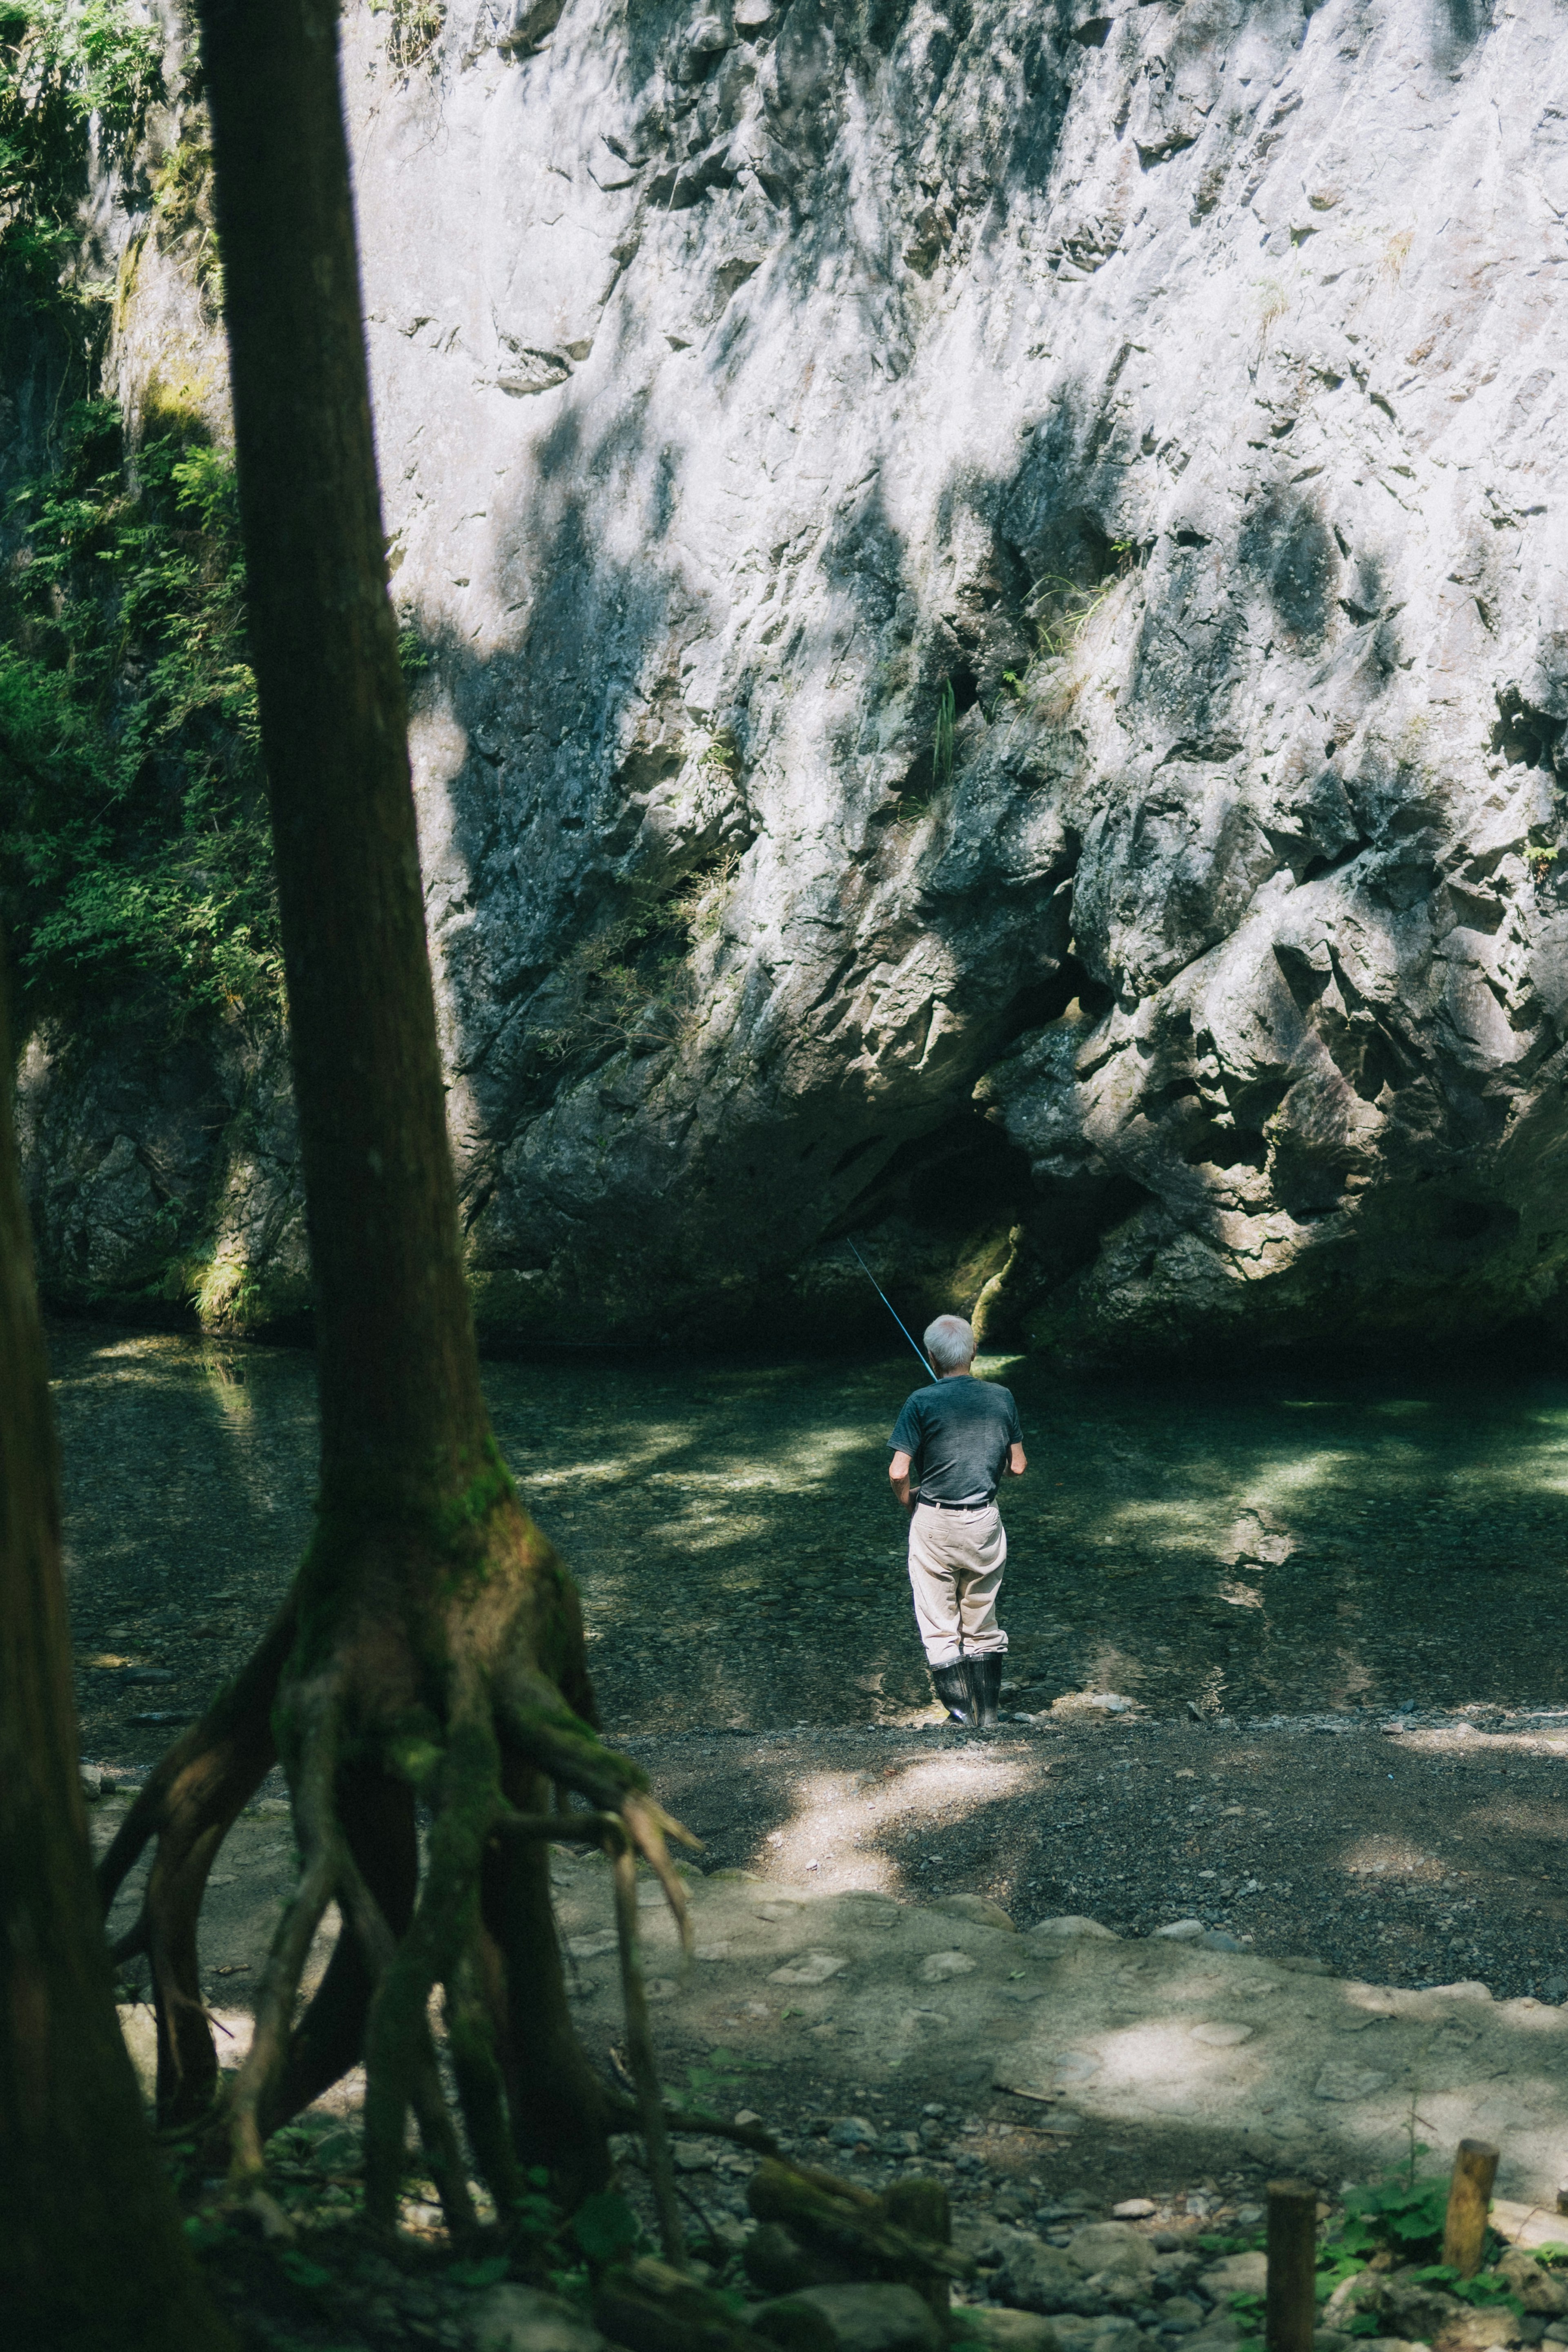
column 950, row 1343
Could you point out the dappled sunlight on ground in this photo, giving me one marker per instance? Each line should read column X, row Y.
column 1247, row 1549
column 845, row 1824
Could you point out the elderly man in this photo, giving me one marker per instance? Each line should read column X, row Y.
column 953, row 1445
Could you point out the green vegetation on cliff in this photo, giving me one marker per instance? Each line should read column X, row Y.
column 135, row 846
column 66, row 73
column 134, row 853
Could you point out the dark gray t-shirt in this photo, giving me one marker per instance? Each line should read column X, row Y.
column 956, row 1435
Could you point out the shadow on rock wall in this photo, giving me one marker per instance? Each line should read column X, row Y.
column 996, row 672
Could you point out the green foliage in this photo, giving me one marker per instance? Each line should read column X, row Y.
column 477, row 2274
column 414, row 30
column 134, row 845
column 1061, row 610
column 1485, row 2289
column 302, row 2270
column 1404, row 2214
column 723, row 753
column 1248, row 2311
column 605, row 2226
column 61, row 67
column 183, row 198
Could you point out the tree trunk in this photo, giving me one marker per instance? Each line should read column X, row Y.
column 434, row 1642
column 93, row 2255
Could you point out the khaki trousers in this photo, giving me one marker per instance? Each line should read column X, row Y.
column 956, row 1563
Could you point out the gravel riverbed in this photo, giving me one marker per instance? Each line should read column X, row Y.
column 1219, row 1597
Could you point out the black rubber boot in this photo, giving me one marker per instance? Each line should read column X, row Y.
column 985, row 1683
column 952, row 1688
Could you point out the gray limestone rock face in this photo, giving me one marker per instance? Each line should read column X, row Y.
column 993, row 582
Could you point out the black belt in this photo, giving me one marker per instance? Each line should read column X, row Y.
column 984, row 1504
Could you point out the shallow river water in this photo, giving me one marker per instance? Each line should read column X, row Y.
column 1246, row 1550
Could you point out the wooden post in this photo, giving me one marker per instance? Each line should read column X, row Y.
column 1292, row 2300
column 1469, row 2195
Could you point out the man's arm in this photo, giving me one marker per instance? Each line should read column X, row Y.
column 898, row 1472
column 1017, row 1463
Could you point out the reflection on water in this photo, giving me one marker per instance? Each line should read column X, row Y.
column 1251, row 1549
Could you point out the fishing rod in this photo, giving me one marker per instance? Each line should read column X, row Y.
column 888, row 1304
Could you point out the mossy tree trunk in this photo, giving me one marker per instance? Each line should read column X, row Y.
column 433, row 1645
column 92, row 2256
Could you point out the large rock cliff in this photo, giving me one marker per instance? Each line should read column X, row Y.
column 993, row 584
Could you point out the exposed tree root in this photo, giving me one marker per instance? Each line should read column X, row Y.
column 188, row 1804
column 379, row 1702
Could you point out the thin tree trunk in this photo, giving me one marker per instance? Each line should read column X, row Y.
column 401, row 1415
column 439, row 1640
column 93, row 2255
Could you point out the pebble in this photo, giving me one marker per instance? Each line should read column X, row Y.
column 1133, row 2209
column 809, row 1969
column 851, row 2131
column 937, row 1967
column 1236, row 2274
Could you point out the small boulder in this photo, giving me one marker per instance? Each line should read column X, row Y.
column 1110, row 2246
column 1358, row 2292
column 1468, row 2330
column 1544, row 2295
column 1180, row 2316
column 1101, row 2335
column 977, row 1908
column 1038, row 2277
column 1423, row 2314
column 1068, row 1925
column 939, row 1968
column 808, row 1969
column 878, row 2317
column 1010, row 2331
column 1217, row 2336
column 509, row 2318
column 777, row 2263
column 851, row 2131
column 1236, row 2274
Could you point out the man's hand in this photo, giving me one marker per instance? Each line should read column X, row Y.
column 898, row 1472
